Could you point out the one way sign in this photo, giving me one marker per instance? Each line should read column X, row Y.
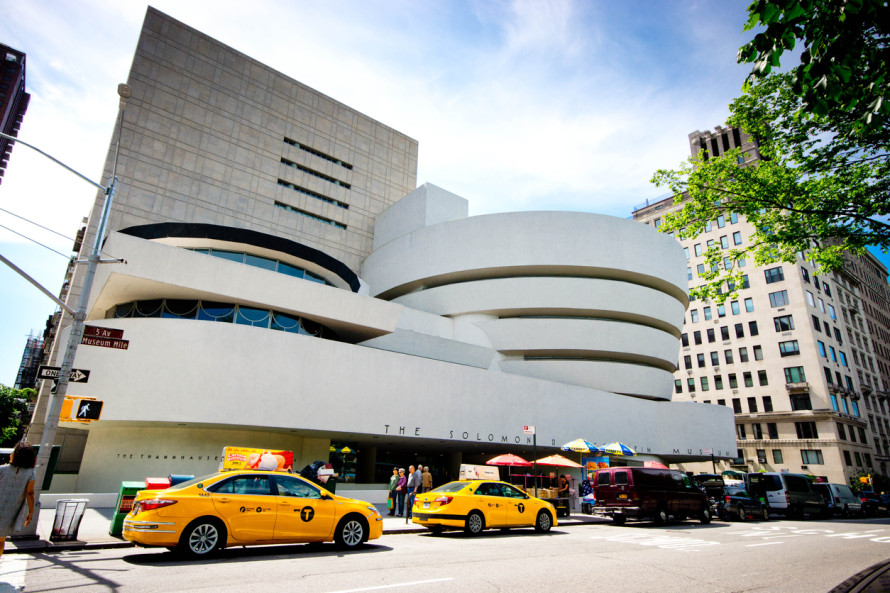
column 77, row 375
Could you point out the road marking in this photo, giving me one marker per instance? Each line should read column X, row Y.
column 12, row 574
column 379, row 587
column 763, row 544
column 666, row 542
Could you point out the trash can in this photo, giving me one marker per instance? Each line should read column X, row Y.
column 125, row 498
column 67, row 521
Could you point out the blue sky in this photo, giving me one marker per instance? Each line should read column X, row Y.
column 522, row 105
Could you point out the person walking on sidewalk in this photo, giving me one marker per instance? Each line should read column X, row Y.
column 393, row 482
column 16, row 490
column 401, row 489
column 414, row 484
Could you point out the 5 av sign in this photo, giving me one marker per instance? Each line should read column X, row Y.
column 77, row 375
column 105, row 337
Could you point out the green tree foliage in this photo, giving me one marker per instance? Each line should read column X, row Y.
column 813, row 190
column 845, row 64
column 13, row 406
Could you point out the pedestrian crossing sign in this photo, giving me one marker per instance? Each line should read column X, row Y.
column 80, row 409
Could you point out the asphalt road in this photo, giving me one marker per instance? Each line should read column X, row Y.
column 781, row 556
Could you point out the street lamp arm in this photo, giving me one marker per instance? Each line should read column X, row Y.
column 24, row 275
column 55, row 160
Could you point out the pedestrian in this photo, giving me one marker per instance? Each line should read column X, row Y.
column 16, row 489
column 415, row 483
column 393, row 482
column 427, row 479
column 401, row 490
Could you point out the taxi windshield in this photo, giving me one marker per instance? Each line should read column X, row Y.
column 451, row 487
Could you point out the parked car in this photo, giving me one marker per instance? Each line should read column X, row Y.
column 873, row 503
column 712, row 485
column 475, row 505
column 242, row 508
column 840, row 499
column 791, row 495
column 738, row 504
column 645, row 493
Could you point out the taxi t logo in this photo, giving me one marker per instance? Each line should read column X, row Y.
column 521, row 508
column 307, row 513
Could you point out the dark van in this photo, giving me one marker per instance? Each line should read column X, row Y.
column 648, row 493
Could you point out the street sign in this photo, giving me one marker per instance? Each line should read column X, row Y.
column 80, row 409
column 77, row 375
column 528, row 429
column 708, row 451
column 103, row 332
column 106, row 342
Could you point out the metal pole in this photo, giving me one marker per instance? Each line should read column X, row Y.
column 57, row 398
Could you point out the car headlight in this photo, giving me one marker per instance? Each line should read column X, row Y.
column 373, row 509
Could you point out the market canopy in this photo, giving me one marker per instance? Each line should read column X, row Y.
column 558, row 460
column 618, row 449
column 580, row 446
column 508, row 459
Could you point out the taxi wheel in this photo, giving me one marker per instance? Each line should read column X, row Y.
column 543, row 522
column 202, row 538
column 351, row 532
column 475, row 523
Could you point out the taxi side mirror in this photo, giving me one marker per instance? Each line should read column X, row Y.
column 326, row 496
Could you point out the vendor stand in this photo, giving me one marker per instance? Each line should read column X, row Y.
column 562, row 504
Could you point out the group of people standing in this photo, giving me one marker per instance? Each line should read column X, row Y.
column 404, row 488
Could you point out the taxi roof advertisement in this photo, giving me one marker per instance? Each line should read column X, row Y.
column 249, row 458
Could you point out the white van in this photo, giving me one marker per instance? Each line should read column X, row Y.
column 841, row 500
column 788, row 494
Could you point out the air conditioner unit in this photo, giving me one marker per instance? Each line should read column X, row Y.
column 761, row 460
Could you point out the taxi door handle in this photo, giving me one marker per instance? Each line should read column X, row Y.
column 222, row 500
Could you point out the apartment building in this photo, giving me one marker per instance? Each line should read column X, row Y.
column 792, row 352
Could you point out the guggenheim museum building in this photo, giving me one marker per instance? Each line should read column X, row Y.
column 286, row 284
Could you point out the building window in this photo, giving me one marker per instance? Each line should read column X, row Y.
column 693, row 315
column 748, row 380
column 721, row 221
column 678, row 386
column 752, row 328
column 777, row 456
column 821, row 346
column 816, row 325
column 778, row 299
column 774, row 275
column 772, row 430
column 752, row 405
column 724, row 242
column 711, row 336
column 684, row 338
column 733, row 381
column 795, row 375
column 700, row 269
column 826, row 288
column 696, row 337
column 734, row 305
column 832, row 313
column 718, row 382
column 704, row 383
column 743, row 355
column 707, row 312
column 727, row 354
column 847, row 459
column 767, row 403
column 834, row 405
column 761, row 378
column 806, row 275
column 749, row 305
column 862, row 438
column 724, row 332
column 737, row 405
column 784, row 323
column 687, row 362
column 733, row 217
column 832, row 354
column 810, row 300
column 701, row 360
column 858, row 459
column 800, row 401
column 806, row 430
column 737, row 238
column 811, row 456
column 686, row 252
column 721, row 310
column 841, row 433
column 758, row 353
column 690, row 384
column 314, row 217
column 740, row 432
column 855, row 408
column 715, row 359
column 789, row 348
column 757, row 433
column 697, row 248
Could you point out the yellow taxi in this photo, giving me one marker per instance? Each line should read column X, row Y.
column 474, row 505
column 242, row 508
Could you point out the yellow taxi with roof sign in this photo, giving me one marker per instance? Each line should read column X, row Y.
column 475, row 505
column 248, row 507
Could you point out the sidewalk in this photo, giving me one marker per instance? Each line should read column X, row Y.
column 93, row 531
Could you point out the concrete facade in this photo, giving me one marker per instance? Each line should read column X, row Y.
column 414, row 333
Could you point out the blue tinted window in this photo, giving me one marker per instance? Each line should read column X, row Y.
column 260, row 262
column 251, row 316
column 229, row 255
column 210, row 311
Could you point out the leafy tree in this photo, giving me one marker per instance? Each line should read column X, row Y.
column 813, row 190
column 13, row 406
column 845, row 66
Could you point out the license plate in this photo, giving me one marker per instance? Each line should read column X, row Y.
column 622, row 496
column 426, row 505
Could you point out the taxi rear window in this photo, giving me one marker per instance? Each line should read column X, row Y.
column 192, row 482
column 451, row 487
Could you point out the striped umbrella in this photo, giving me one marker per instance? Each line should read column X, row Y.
column 618, row 449
column 580, row 446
